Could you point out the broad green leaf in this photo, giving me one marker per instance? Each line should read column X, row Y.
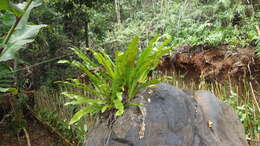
column 6, row 78
column 85, row 100
column 14, row 91
column 105, row 61
column 18, row 40
column 146, row 52
column 8, row 19
column 4, row 69
column 82, row 98
column 84, row 57
column 87, row 110
column 132, row 51
column 77, row 84
column 134, row 105
column 119, row 106
column 93, row 77
column 23, row 22
column 64, row 62
column 23, row 33
column 27, row 32
column 104, row 108
column 119, row 96
column 99, row 82
column 1, row 41
column 15, row 9
column 4, row 90
column 4, row 5
column 8, row 5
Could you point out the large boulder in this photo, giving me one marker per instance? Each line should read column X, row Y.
column 172, row 117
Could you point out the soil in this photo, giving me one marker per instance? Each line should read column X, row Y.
column 213, row 64
column 38, row 136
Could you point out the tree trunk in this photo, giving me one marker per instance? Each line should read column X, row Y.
column 117, row 9
column 86, row 33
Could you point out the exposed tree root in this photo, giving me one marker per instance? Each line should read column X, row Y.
column 27, row 137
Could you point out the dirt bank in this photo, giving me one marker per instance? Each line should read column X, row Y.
column 213, row 64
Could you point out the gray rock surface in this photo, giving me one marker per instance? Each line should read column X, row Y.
column 172, row 117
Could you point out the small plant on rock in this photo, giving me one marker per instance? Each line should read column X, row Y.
column 121, row 78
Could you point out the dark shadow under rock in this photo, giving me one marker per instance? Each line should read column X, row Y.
column 172, row 117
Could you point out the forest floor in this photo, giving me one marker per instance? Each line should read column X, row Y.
column 38, row 135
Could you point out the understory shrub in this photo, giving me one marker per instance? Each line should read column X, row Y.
column 194, row 22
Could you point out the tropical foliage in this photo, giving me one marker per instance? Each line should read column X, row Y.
column 111, row 77
column 6, row 80
column 195, row 22
column 19, row 35
column 117, row 83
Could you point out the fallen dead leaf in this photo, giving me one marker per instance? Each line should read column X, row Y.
column 153, row 86
column 142, row 130
column 210, row 123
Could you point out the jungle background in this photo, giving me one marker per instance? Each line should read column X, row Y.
column 34, row 108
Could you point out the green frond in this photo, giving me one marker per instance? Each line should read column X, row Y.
column 79, row 97
column 84, row 101
column 105, row 61
column 84, row 57
column 120, row 80
column 77, row 84
column 84, row 111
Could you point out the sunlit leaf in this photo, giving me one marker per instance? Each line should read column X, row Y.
column 104, row 108
column 14, row 91
column 119, row 96
column 8, row 5
column 64, row 62
column 25, row 17
column 210, row 123
column 85, row 100
column 15, row 9
column 4, row 5
column 18, row 40
column 84, row 111
column 23, row 33
column 82, row 98
column 128, row 74
column 119, row 106
column 8, row 19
